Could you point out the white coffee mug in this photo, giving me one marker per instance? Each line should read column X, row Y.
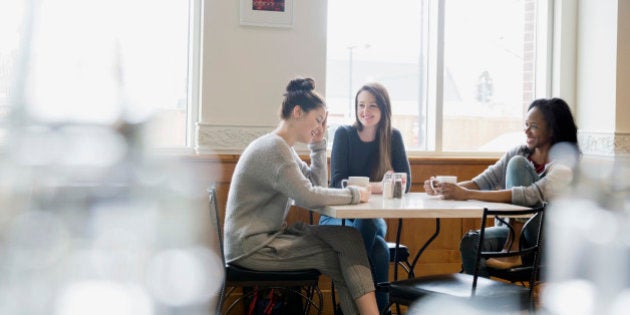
column 443, row 179
column 361, row 181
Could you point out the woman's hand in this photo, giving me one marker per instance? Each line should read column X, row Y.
column 377, row 187
column 319, row 133
column 365, row 194
column 428, row 188
column 452, row 191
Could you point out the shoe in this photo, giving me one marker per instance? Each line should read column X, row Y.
column 504, row 262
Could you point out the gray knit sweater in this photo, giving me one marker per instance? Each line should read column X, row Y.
column 268, row 174
column 554, row 179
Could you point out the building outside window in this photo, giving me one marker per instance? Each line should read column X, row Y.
column 460, row 73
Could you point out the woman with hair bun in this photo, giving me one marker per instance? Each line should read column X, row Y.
column 268, row 175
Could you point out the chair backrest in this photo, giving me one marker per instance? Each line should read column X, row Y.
column 537, row 215
column 236, row 276
column 532, row 235
column 215, row 217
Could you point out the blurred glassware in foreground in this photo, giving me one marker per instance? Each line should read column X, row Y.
column 89, row 233
column 89, row 222
column 587, row 251
column 587, row 245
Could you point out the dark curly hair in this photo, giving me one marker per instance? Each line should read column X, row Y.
column 559, row 119
column 301, row 92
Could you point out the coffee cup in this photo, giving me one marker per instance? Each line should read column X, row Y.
column 361, row 181
column 442, row 179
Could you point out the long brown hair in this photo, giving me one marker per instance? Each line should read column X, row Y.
column 383, row 130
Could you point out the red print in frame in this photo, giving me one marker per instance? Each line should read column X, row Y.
column 268, row 5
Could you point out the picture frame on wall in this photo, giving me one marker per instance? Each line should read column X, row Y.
column 269, row 13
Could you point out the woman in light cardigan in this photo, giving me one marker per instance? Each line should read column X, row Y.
column 268, row 175
column 526, row 175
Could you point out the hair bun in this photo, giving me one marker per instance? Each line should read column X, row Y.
column 301, row 85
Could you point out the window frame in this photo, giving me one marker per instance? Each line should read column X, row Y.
column 193, row 91
column 435, row 96
column 193, row 84
column 194, row 71
column 434, row 20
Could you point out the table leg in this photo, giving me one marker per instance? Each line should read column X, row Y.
column 332, row 284
column 426, row 244
column 400, row 224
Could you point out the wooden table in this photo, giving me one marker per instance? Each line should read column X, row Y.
column 415, row 205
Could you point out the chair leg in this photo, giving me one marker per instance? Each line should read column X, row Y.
column 308, row 296
column 334, row 300
column 406, row 266
column 311, row 295
column 239, row 299
column 220, row 297
column 534, row 295
column 320, row 296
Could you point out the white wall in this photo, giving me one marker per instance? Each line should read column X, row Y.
column 623, row 67
column 602, row 77
column 596, row 72
column 246, row 70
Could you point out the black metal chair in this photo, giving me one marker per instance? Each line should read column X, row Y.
column 489, row 294
column 301, row 283
column 521, row 274
column 399, row 255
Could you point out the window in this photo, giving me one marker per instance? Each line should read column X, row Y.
column 460, row 73
column 11, row 15
column 116, row 59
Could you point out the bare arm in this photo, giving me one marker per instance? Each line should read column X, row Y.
column 376, row 187
column 461, row 192
column 469, row 184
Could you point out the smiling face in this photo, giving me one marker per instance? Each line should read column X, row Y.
column 368, row 112
column 310, row 124
column 536, row 129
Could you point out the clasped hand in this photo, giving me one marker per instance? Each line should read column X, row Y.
column 446, row 190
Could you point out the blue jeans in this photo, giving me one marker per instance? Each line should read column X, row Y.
column 519, row 172
column 373, row 232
